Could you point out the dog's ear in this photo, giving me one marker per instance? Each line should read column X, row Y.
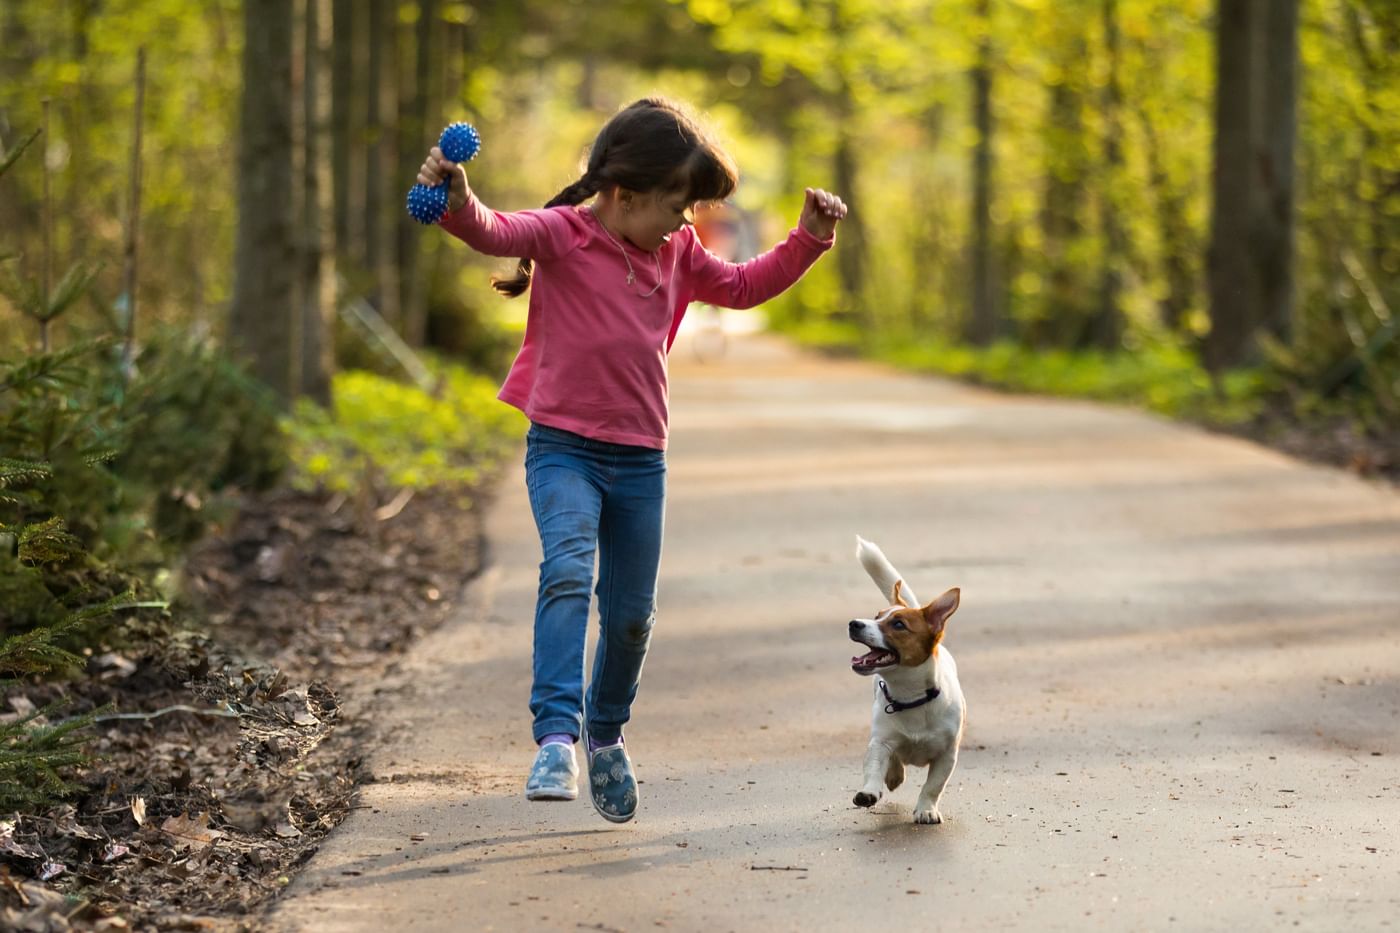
column 937, row 612
column 899, row 594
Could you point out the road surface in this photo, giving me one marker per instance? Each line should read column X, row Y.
column 1181, row 655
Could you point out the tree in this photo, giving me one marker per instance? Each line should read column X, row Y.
column 984, row 324
column 260, row 317
column 1106, row 326
column 317, row 247
column 1250, row 265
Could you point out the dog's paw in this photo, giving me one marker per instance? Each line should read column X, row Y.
column 865, row 799
column 930, row 816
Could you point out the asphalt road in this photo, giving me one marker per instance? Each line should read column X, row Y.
column 1181, row 656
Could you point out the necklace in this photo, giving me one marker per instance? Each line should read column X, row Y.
column 631, row 275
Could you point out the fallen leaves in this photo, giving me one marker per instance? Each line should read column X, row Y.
column 227, row 761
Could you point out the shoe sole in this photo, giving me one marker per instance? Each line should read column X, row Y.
column 551, row 795
column 609, row 817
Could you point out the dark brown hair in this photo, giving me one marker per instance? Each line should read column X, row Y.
column 649, row 146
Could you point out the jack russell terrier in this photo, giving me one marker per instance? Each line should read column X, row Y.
column 919, row 708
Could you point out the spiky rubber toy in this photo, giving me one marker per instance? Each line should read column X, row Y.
column 460, row 142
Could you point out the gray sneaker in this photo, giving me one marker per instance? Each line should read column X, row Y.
column 612, row 784
column 554, row 775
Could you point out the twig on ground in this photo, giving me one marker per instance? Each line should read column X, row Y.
column 181, row 708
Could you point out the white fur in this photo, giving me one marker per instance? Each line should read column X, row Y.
column 927, row 735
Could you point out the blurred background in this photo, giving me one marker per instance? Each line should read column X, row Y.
column 1194, row 205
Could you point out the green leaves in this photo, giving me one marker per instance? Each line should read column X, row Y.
column 385, row 434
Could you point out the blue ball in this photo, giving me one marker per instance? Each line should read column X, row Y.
column 460, row 142
column 427, row 205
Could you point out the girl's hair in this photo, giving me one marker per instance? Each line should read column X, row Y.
column 649, row 146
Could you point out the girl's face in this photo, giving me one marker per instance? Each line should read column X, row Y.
column 652, row 217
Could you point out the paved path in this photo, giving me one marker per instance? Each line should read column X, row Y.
column 1181, row 655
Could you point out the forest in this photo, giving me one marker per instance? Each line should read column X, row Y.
column 209, row 284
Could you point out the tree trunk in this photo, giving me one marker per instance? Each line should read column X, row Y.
column 1233, row 274
column 1277, row 168
column 261, row 310
column 1178, row 243
column 984, row 324
column 850, row 245
column 347, row 155
column 317, row 226
column 1068, row 306
column 421, row 130
column 1106, row 328
column 381, row 100
column 1251, row 254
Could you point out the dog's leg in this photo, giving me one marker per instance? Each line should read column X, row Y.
column 894, row 774
column 877, row 763
column 926, row 807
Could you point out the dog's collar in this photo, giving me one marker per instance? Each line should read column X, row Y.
column 896, row 706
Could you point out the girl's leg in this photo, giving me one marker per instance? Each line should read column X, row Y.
column 566, row 499
column 629, row 540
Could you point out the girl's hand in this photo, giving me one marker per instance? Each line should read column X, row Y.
column 435, row 168
column 821, row 211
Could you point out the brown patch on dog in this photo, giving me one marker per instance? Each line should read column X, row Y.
column 914, row 633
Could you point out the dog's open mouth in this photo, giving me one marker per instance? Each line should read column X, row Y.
column 875, row 660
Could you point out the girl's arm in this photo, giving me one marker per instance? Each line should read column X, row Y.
column 538, row 234
column 744, row 285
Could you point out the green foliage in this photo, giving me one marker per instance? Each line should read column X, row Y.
column 1163, row 377
column 34, row 758
column 13, row 155
column 40, row 650
column 387, row 435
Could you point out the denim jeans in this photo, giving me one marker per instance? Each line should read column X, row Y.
column 592, row 497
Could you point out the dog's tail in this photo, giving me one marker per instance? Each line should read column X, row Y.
column 882, row 572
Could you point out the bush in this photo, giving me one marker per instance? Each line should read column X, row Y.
column 386, row 435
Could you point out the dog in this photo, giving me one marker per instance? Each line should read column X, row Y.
column 919, row 709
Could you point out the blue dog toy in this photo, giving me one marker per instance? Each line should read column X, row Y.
column 460, row 142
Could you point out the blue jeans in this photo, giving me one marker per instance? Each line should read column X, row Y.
column 592, row 497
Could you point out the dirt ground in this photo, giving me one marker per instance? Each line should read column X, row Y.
column 225, row 757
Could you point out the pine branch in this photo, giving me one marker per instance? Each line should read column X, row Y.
column 34, row 651
column 33, row 757
column 47, row 370
column 15, row 153
column 14, row 472
column 48, row 543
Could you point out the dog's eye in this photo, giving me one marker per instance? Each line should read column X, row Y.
column 898, row 625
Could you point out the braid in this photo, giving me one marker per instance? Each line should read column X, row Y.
column 576, row 193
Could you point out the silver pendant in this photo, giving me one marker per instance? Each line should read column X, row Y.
column 631, row 278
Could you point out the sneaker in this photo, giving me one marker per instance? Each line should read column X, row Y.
column 611, row 783
column 554, row 775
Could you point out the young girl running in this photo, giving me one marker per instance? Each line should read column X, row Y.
column 613, row 281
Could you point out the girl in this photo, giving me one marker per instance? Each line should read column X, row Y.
column 614, row 279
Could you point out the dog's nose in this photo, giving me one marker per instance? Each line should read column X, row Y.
column 855, row 626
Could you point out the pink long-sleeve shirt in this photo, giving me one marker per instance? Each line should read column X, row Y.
column 593, row 360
